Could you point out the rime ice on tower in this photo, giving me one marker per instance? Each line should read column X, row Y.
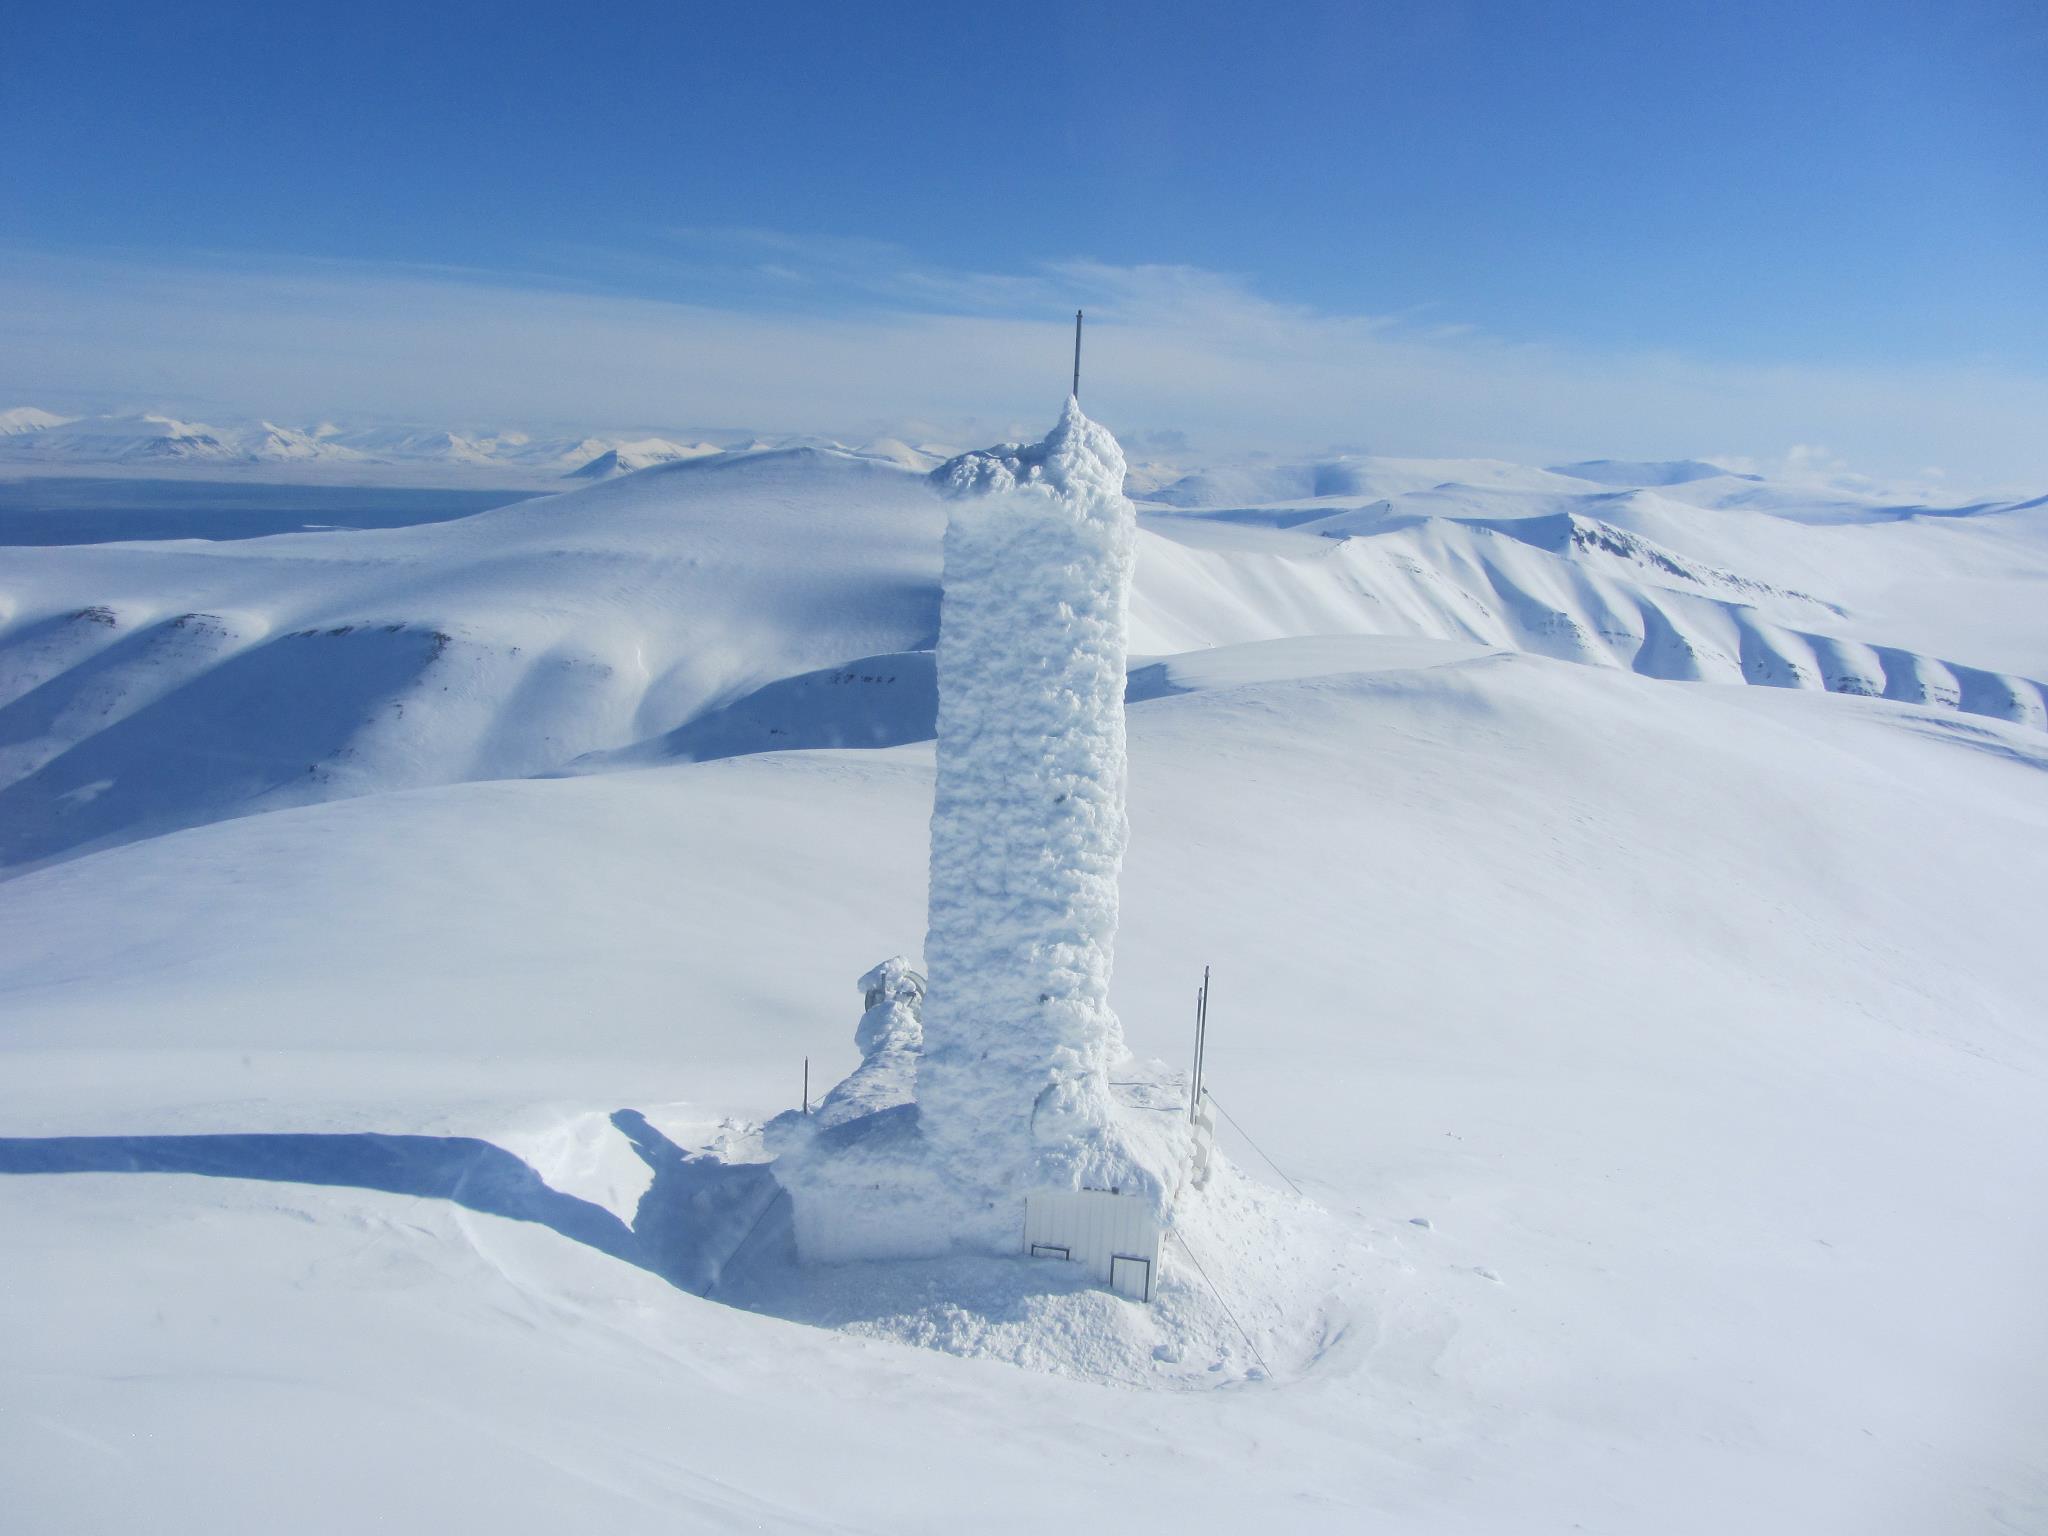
column 1028, row 825
column 1014, row 1134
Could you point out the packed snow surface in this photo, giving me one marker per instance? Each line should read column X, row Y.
column 1624, row 903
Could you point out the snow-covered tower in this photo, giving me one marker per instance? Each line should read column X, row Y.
column 1028, row 825
column 1009, row 1139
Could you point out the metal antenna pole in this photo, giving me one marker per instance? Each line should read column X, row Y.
column 1077, row 354
column 807, row 1085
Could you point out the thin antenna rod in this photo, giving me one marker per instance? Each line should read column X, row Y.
column 807, row 1085
column 1077, row 354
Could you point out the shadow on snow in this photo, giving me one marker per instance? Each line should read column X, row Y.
column 700, row 1221
column 715, row 1229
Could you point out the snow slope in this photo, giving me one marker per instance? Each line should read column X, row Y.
column 209, row 680
column 1692, row 1078
column 1964, row 582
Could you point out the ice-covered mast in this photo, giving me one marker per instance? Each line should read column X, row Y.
column 1028, row 823
column 1009, row 1138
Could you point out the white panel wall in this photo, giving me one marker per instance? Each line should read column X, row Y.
column 1096, row 1228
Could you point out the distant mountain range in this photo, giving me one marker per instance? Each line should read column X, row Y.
column 33, row 437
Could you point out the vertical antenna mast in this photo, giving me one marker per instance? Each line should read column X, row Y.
column 1077, row 354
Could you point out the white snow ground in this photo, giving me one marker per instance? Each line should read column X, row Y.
column 1662, row 1061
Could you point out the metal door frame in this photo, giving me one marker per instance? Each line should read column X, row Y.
column 1130, row 1258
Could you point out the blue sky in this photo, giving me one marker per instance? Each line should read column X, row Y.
column 1730, row 192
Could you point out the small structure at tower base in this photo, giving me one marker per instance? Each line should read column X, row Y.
column 1113, row 1236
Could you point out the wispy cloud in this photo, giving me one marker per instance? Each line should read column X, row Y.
column 779, row 333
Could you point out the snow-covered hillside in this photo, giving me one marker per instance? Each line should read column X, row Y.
column 1622, row 892
column 269, row 672
column 693, row 602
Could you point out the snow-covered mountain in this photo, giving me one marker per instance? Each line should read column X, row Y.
column 643, row 453
column 430, row 445
column 270, row 443
column 26, row 418
column 1622, row 890
column 32, row 437
column 141, row 439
